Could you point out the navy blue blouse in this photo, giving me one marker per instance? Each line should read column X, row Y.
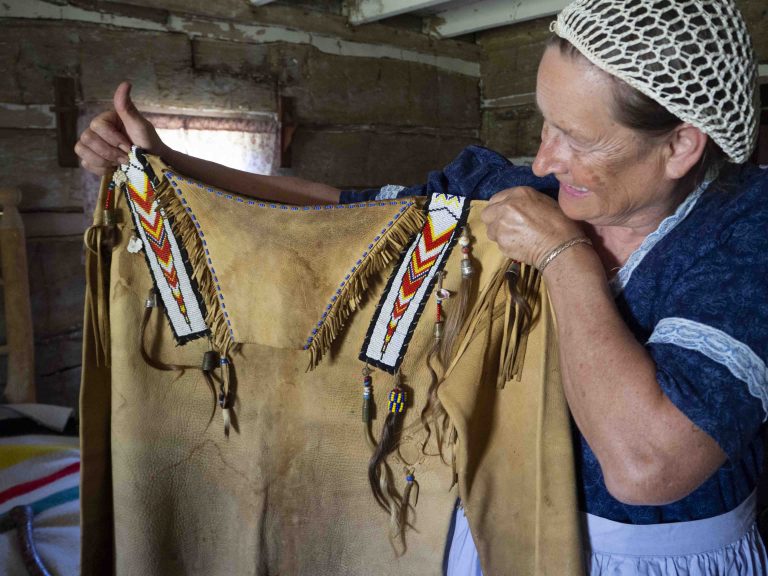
column 695, row 294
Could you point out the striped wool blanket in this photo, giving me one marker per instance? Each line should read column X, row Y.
column 43, row 472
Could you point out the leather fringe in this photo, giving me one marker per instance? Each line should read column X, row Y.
column 97, row 262
column 386, row 250
column 186, row 232
column 485, row 311
column 522, row 291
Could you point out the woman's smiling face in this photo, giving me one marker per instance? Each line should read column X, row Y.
column 610, row 175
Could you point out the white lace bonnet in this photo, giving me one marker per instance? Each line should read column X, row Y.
column 694, row 57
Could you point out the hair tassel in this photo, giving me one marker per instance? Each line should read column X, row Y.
column 459, row 312
column 446, row 333
column 387, row 443
column 433, row 410
column 411, row 489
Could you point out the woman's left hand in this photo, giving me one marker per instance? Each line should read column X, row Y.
column 527, row 225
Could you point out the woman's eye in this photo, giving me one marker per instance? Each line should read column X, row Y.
column 578, row 145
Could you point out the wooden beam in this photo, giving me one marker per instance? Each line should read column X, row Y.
column 364, row 11
column 487, row 14
column 64, row 89
column 464, row 62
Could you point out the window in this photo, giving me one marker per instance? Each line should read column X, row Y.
column 248, row 144
column 244, row 144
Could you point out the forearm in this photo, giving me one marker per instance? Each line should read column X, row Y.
column 283, row 189
column 646, row 447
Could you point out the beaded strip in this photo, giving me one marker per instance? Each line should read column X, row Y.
column 405, row 205
column 167, row 260
column 412, row 281
column 173, row 180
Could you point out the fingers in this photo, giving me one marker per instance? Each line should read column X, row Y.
column 494, row 212
column 501, row 196
column 518, row 193
column 107, row 127
column 91, row 144
column 518, row 221
column 489, row 215
column 91, row 161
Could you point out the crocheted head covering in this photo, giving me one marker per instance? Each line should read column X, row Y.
column 694, row 57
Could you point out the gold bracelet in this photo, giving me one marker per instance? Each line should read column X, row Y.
column 561, row 248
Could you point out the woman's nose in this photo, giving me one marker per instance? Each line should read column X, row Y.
column 550, row 159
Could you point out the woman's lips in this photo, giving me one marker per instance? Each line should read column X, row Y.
column 574, row 191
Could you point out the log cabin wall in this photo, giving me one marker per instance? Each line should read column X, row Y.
column 382, row 103
column 376, row 105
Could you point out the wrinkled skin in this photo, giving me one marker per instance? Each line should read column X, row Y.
column 612, row 178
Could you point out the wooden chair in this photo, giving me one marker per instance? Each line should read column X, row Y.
column 19, row 347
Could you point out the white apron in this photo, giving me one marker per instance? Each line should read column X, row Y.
column 725, row 545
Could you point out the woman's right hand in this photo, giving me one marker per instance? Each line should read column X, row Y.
column 107, row 140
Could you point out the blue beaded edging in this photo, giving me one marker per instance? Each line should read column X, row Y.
column 172, row 177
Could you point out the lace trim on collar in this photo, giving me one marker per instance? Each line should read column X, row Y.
column 620, row 281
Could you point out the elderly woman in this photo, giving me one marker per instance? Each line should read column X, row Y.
column 655, row 256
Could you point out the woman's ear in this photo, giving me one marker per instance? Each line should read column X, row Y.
column 686, row 145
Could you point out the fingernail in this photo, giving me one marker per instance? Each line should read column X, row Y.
column 125, row 148
column 123, row 159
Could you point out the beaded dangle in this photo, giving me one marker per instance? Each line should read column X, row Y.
column 396, row 400
column 411, row 489
column 110, row 217
column 467, row 270
column 368, row 407
column 440, row 295
column 410, row 484
column 459, row 311
column 367, row 395
column 225, row 393
column 399, row 520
